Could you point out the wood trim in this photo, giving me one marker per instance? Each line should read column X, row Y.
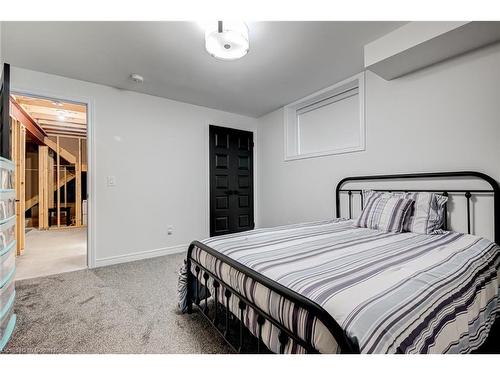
column 34, row 130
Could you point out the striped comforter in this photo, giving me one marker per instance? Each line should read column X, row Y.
column 391, row 293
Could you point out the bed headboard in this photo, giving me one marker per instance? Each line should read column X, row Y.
column 467, row 193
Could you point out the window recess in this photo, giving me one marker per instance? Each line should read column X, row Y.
column 328, row 122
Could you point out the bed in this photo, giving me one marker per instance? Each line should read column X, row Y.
column 332, row 287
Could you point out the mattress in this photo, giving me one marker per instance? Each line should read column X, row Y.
column 390, row 293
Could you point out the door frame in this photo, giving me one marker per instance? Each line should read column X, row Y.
column 91, row 170
column 256, row 193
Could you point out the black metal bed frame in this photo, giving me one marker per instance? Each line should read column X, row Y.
column 229, row 325
column 345, row 345
column 495, row 190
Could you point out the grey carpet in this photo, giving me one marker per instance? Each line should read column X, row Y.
column 126, row 308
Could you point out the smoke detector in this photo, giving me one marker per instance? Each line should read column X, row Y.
column 137, row 78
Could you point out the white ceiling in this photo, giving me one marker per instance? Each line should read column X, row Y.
column 287, row 60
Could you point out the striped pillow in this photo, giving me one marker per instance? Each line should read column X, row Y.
column 427, row 216
column 384, row 211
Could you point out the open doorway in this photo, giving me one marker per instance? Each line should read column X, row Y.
column 49, row 149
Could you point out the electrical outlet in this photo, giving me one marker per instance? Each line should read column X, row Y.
column 170, row 230
column 111, row 181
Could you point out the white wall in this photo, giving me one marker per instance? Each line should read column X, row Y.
column 446, row 117
column 158, row 151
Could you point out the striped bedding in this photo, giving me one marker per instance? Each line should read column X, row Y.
column 390, row 292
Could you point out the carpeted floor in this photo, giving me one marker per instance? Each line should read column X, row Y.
column 126, row 308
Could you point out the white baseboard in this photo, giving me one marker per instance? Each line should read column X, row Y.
column 140, row 255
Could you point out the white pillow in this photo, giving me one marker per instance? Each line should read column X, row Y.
column 427, row 216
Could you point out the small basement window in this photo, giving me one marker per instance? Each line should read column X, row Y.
column 331, row 121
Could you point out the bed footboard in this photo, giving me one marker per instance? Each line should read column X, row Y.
column 237, row 317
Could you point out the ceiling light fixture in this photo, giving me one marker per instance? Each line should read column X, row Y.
column 227, row 40
column 61, row 115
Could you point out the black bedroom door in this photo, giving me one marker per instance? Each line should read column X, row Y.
column 231, row 180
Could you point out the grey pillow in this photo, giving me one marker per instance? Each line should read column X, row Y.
column 427, row 216
column 382, row 211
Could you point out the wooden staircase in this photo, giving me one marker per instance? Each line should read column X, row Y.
column 70, row 175
column 63, row 180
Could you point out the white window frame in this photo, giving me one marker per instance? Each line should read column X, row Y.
column 291, row 124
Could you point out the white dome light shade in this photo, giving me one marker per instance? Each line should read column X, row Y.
column 227, row 40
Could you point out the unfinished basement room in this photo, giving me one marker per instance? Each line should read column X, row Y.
column 49, row 143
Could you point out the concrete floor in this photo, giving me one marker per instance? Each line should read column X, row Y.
column 51, row 252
